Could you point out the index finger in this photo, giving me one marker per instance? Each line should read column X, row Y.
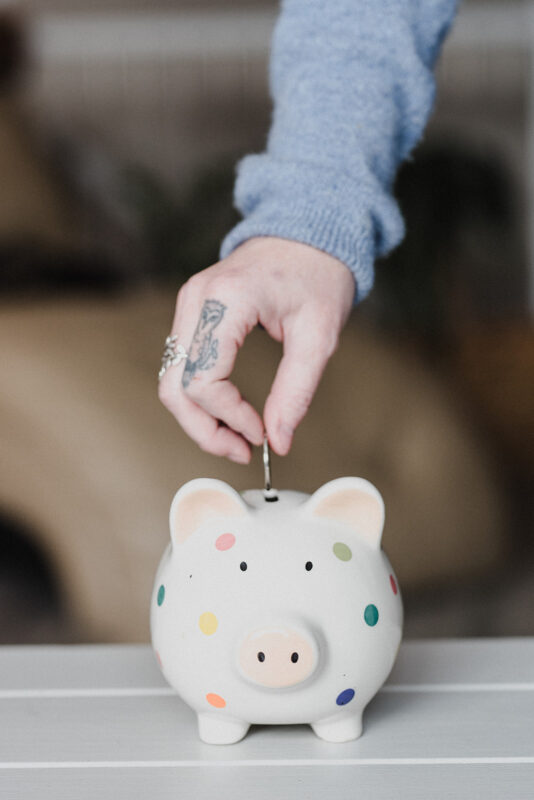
column 220, row 331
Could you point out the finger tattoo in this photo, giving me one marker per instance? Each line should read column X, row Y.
column 204, row 349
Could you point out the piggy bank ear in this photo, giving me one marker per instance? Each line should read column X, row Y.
column 354, row 501
column 199, row 500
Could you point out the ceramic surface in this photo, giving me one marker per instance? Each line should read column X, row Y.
column 276, row 612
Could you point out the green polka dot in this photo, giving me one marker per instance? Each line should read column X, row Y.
column 161, row 594
column 370, row 614
column 342, row 551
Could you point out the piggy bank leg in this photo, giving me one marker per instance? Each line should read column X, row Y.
column 339, row 728
column 213, row 729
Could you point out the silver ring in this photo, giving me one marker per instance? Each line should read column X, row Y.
column 173, row 353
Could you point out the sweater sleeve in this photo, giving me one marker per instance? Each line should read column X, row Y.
column 352, row 84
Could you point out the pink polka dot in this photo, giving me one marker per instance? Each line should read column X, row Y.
column 393, row 584
column 225, row 541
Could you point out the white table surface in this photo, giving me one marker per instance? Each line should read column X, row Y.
column 456, row 720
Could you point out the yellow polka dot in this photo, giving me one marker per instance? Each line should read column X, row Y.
column 208, row 623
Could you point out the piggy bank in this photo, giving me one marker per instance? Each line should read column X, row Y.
column 276, row 609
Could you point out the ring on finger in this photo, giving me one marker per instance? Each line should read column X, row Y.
column 173, row 354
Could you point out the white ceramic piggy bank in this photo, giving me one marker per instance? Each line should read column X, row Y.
column 276, row 612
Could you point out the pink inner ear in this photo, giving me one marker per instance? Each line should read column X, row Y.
column 360, row 510
column 197, row 507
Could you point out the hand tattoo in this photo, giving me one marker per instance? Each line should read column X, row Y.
column 204, row 349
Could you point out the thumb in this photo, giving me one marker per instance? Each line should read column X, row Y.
column 308, row 345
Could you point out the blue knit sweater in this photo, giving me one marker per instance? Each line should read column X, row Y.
column 352, row 84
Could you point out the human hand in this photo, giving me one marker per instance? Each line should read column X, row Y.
column 301, row 296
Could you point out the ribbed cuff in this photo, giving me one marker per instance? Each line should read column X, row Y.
column 352, row 219
column 324, row 229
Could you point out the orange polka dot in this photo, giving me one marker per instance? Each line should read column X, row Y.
column 216, row 700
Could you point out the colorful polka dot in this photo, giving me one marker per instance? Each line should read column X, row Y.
column 161, row 595
column 208, row 623
column 216, row 700
column 342, row 551
column 225, row 541
column 345, row 697
column 393, row 583
column 370, row 614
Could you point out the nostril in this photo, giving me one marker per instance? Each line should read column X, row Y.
column 277, row 657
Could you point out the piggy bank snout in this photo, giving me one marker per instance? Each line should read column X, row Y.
column 277, row 657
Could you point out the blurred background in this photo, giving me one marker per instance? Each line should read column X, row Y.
column 120, row 125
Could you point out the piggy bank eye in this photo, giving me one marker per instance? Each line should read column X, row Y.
column 243, row 566
column 309, row 566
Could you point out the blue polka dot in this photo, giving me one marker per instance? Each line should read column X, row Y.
column 345, row 697
column 370, row 614
column 161, row 594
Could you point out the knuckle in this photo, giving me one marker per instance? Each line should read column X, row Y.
column 183, row 292
column 324, row 341
column 319, row 333
column 190, row 290
column 166, row 394
column 215, row 287
column 195, row 282
column 193, row 389
column 330, row 343
column 181, row 296
column 229, row 280
column 189, row 389
column 205, row 444
column 208, row 443
column 299, row 402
